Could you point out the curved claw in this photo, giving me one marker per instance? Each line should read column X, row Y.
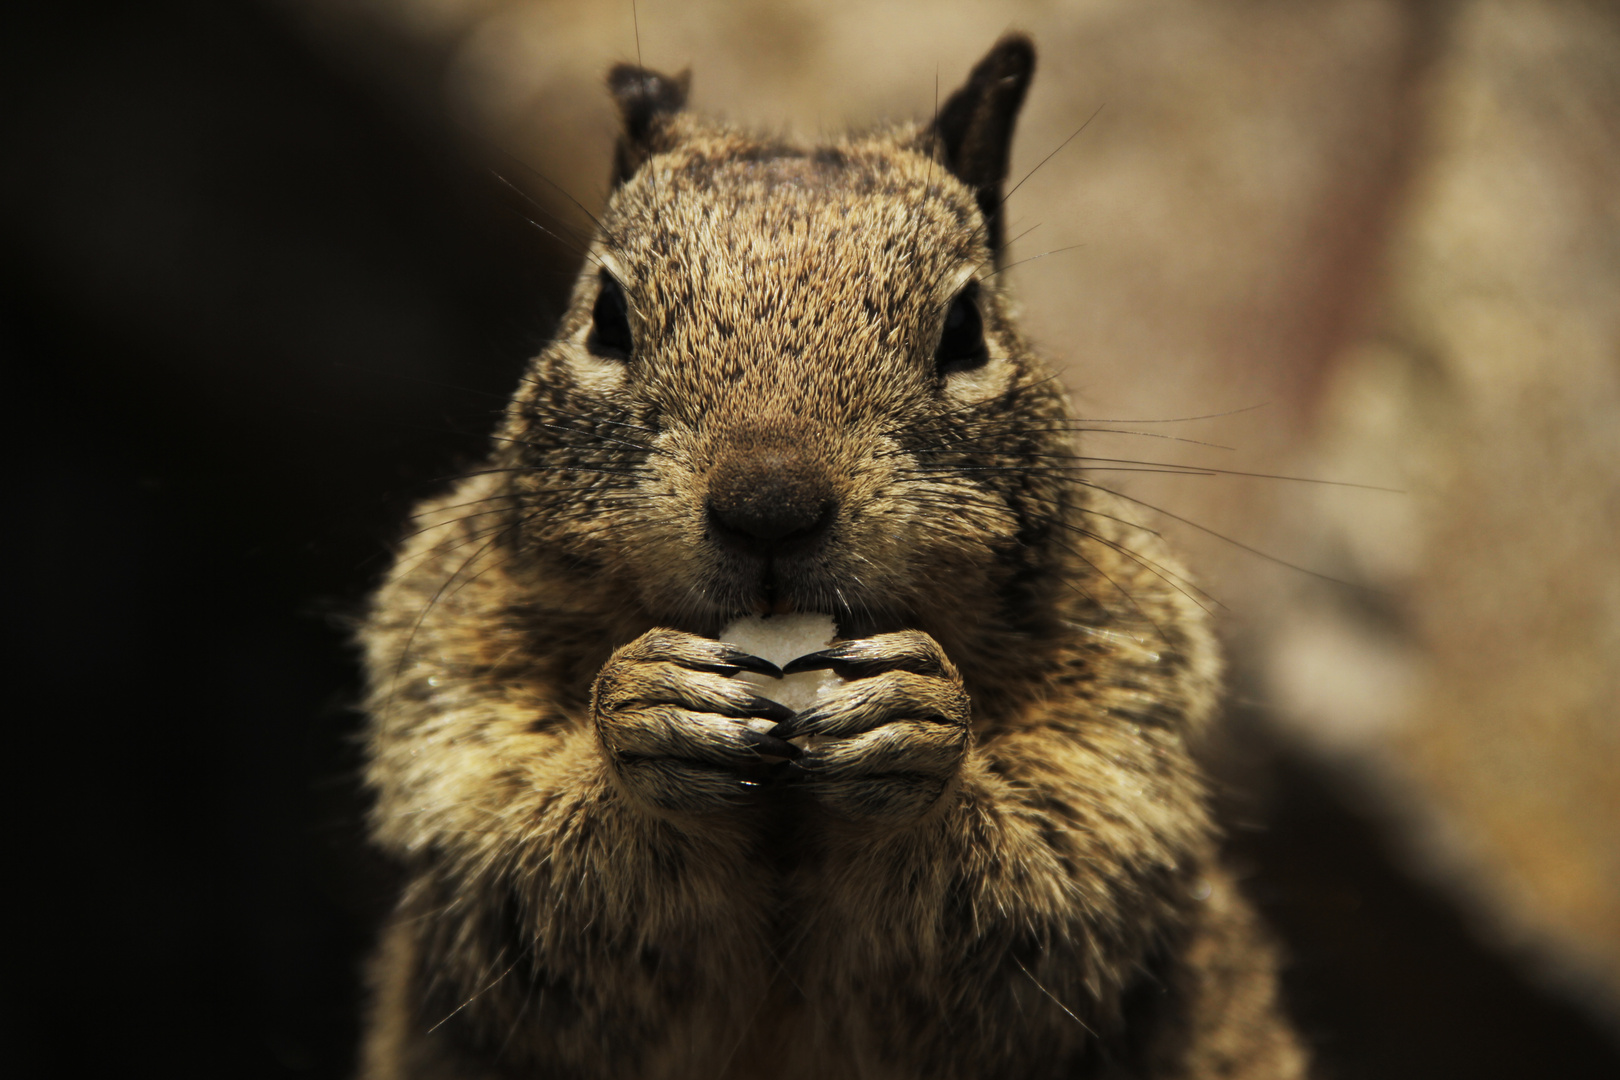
column 906, row 650
column 735, row 660
column 769, row 744
column 695, row 653
column 678, row 731
column 825, row 660
column 766, row 709
column 796, row 725
column 888, row 698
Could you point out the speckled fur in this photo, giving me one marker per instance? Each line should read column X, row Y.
column 1035, row 895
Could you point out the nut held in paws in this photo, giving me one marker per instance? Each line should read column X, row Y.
column 782, row 639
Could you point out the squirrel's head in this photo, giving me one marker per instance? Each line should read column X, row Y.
column 788, row 380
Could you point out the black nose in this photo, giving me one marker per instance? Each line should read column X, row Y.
column 770, row 500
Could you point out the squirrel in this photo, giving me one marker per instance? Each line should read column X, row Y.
column 789, row 380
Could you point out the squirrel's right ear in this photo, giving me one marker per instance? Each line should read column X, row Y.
column 973, row 133
column 645, row 99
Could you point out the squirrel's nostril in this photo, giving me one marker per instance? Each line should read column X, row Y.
column 762, row 526
column 771, row 503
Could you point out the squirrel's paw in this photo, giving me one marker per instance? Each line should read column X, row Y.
column 896, row 732
column 673, row 726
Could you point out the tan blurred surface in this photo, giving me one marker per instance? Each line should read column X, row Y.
column 1396, row 226
column 1490, row 379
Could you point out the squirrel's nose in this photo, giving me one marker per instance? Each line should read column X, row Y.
column 770, row 500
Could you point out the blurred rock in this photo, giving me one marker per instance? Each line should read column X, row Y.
column 1484, row 703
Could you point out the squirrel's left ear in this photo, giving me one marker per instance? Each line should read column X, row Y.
column 973, row 133
column 645, row 99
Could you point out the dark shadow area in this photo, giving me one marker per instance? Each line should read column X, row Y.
column 251, row 312
column 1385, row 976
column 252, row 309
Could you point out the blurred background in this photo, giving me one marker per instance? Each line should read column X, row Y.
column 270, row 269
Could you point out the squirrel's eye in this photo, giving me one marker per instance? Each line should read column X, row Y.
column 610, row 321
column 961, row 343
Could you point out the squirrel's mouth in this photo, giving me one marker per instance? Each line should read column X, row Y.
column 784, row 584
column 775, row 584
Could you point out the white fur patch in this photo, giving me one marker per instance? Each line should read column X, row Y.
column 595, row 373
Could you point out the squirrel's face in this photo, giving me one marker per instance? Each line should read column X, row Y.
column 787, row 381
column 752, row 402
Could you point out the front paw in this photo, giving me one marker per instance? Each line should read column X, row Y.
column 893, row 736
column 674, row 727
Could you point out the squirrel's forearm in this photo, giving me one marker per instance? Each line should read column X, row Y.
column 538, row 878
column 544, row 813
column 1060, row 860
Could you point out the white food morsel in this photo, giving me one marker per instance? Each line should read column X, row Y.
column 782, row 639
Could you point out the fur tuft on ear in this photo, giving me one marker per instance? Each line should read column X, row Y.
column 645, row 98
column 973, row 134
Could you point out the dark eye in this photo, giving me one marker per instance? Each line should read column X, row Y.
column 961, row 343
column 610, row 321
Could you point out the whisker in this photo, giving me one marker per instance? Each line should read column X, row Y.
column 564, row 241
column 1177, row 419
column 1152, row 466
column 1011, row 427
column 1164, row 574
column 582, row 431
column 1229, row 540
column 607, row 497
column 1020, row 236
column 414, row 533
column 416, row 628
column 1017, row 960
column 558, row 188
column 552, row 410
column 1033, row 258
column 475, row 996
column 582, row 243
column 1176, row 581
column 516, row 496
column 570, row 467
column 1054, row 153
column 1051, row 470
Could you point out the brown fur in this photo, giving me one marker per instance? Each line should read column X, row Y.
column 1001, row 862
